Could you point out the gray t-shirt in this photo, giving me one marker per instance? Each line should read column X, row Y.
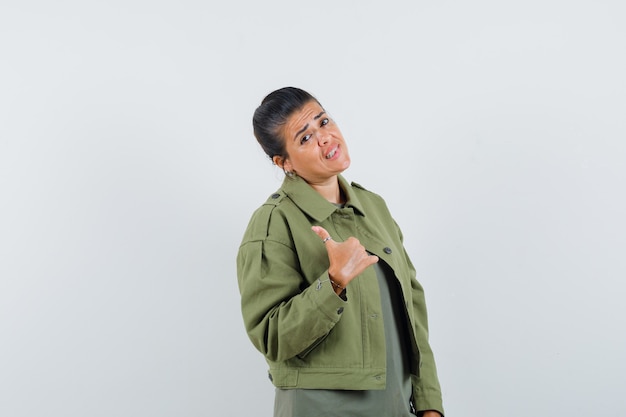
column 393, row 401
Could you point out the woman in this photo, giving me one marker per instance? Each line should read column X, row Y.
column 328, row 293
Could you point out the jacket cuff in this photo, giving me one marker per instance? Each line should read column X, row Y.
column 424, row 401
column 326, row 298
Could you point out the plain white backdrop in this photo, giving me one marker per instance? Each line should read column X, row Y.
column 128, row 172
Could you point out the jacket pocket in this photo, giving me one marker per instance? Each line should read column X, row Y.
column 315, row 344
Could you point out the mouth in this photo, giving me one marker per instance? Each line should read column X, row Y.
column 332, row 153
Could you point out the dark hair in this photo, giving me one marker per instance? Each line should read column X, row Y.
column 273, row 113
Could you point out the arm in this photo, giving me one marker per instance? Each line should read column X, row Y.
column 282, row 318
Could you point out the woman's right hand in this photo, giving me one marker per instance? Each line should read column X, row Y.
column 347, row 259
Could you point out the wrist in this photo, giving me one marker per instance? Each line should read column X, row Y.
column 338, row 288
column 336, row 285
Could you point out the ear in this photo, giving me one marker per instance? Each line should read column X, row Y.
column 278, row 160
column 282, row 163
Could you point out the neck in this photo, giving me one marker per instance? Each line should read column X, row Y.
column 330, row 190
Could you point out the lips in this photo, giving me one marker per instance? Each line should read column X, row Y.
column 332, row 152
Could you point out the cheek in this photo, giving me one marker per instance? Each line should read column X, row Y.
column 295, row 159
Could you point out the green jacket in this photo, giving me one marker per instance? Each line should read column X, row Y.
column 311, row 338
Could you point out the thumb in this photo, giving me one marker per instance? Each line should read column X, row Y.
column 321, row 232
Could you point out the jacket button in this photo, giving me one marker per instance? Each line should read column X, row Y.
column 387, row 250
column 340, row 310
column 275, row 196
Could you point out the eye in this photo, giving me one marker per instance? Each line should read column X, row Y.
column 325, row 121
column 305, row 139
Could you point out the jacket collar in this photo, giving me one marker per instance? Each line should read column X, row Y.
column 312, row 203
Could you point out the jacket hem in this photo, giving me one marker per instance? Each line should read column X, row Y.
column 339, row 379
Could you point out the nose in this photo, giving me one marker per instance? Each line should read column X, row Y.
column 322, row 137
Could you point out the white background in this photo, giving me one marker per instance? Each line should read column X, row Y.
column 128, row 171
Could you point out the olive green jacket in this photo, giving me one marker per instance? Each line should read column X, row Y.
column 311, row 338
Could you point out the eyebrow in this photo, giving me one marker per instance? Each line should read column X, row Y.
column 306, row 126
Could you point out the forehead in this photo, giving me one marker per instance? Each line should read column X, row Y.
column 301, row 117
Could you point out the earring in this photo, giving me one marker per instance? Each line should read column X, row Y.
column 290, row 174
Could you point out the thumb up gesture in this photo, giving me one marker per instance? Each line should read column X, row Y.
column 347, row 259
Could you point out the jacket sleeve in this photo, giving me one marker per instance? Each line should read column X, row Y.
column 426, row 387
column 283, row 314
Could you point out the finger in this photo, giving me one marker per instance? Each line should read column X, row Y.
column 372, row 259
column 321, row 232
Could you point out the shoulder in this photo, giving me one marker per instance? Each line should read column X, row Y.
column 263, row 218
column 274, row 199
column 360, row 188
column 371, row 202
column 366, row 194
